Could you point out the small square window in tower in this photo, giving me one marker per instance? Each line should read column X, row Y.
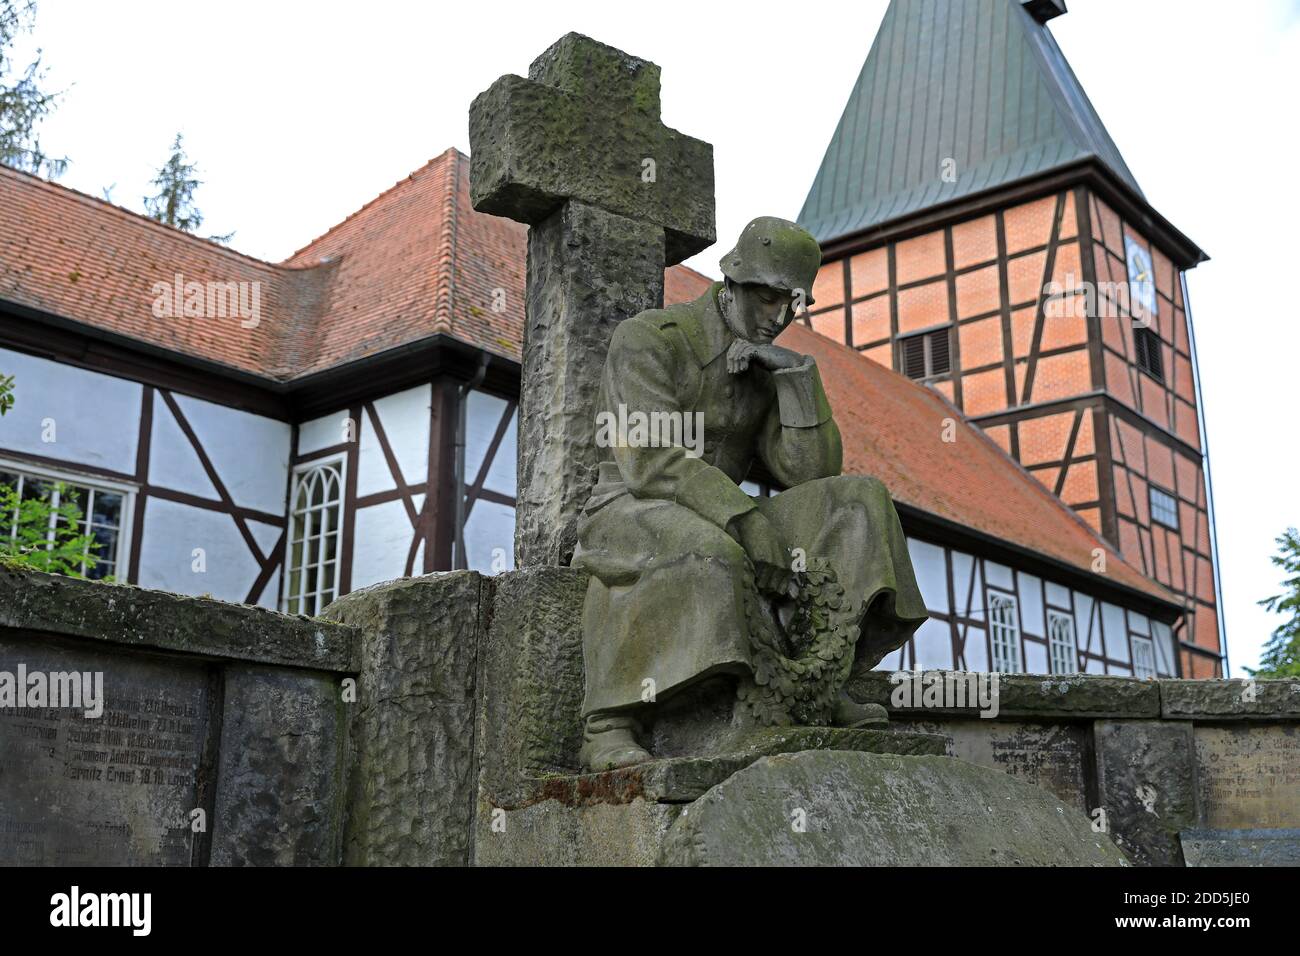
column 1146, row 345
column 925, row 355
column 1164, row 509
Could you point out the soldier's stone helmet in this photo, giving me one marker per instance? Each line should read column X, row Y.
column 777, row 253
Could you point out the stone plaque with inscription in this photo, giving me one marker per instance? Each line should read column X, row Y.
column 1050, row 756
column 117, row 789
column 1248, row 775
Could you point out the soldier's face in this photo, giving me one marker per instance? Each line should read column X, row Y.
column 760, row 312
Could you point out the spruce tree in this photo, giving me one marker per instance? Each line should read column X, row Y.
column 24, row 100
column 174, row 204
column 1281, row 657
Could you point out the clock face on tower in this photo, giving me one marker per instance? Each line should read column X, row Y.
column 1141, row 278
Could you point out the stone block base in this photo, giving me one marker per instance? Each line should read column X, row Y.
column 810, row 808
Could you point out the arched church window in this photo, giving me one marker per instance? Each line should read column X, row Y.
column 315, row 528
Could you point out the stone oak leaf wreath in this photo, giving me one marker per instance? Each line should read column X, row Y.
column 798, row 673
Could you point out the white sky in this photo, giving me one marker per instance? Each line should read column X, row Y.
column 298, row 113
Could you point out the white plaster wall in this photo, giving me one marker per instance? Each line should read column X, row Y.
column 1082, row 617
column 405, row 420
column 1164, row 641
column 382, row 539
column 961, row 572
column 977, row 650
column 173, row 462
column 1032, row 613
column 249, row 452
column 490, row 526
column 96, row 417
column 931, row 574
column 1115, row 632
column 482, row 415
column 933, row 645
column 1035, row 657
column 171, row 533
column 324, row 432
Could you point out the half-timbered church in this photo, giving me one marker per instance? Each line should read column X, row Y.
column 1001, row 323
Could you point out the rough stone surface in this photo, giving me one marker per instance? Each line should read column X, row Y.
column 1230, row 699
column 530, row 680
column 832, row 808
column 281, row 768
column 1248, row 776
column 1241, row 847
column 1146, row 785
column 125, row 615
column 1033, row 695
column 682, row 779
column 550, row 834
column 581, row 127
column 1054, row 756
column 588, row 270
column 566, row 151
column 413, row 773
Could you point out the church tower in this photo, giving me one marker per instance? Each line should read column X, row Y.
column 982, row 234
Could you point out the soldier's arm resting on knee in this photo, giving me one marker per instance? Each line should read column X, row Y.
column 642, row 372
column 800, row 440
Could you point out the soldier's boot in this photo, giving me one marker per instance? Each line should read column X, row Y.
column 850, row 713
column 609, row 742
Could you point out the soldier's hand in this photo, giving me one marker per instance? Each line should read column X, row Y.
column 766, row 550
column 771, row 357
column 738, row 356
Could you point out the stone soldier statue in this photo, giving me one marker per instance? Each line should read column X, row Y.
column 693, row 578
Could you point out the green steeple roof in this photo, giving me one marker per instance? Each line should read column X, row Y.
column 981, row 82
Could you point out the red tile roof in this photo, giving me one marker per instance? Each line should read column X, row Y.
column 893, row 429
column 417, row 261
column 414, row 261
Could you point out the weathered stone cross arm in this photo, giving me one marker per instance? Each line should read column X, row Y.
column 585, row 126
column 612, row 196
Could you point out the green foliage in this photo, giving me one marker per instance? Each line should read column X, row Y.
column 24, row 102
column 174, row 203
column 41, row 536
column 176, row 182
column 6, row 393
column 1281, row 657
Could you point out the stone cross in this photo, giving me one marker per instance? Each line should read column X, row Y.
column 612, row 197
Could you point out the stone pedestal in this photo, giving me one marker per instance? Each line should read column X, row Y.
column 807, row 808
column 466, row 752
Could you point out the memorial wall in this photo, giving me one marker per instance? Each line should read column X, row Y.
column 140, row 727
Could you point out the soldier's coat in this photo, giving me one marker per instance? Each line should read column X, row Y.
column 665, row 604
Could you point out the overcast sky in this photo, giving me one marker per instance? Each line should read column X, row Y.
column 299, row 113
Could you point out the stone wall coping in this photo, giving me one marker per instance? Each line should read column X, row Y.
column 1088, row 696
column 129, row 616
column 1235, row 699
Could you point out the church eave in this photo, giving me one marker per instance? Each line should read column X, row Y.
column 1089, row 171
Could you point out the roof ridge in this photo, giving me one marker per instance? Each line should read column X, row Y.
column 409, row 177
column 444, row 291
column 77, row 194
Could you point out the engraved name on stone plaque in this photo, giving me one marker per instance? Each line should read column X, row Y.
column 113, row 790
column 1046, row 755
column 1248, row 776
